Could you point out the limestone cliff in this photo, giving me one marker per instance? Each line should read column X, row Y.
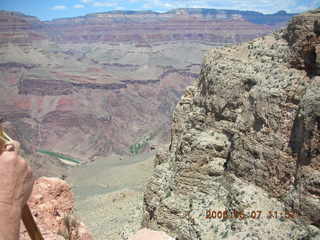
column 245, row 142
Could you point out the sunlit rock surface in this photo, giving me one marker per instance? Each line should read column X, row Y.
column 244, row 140
column 52, row 204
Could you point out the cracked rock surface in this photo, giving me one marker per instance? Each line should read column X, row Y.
column 245, row 139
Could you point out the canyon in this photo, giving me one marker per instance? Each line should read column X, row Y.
column 119, row 72
column 106, row 89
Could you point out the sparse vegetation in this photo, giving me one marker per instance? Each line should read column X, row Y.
column 70, row 228
column 225, row 234
column 59, row 155
column 137, row 147
column 168, row 194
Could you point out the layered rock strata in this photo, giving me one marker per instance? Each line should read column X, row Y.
column 19, row 29
column 121, row 72
column 303, row 36
column 243, row 161
column 147, row 27
column 142, row 27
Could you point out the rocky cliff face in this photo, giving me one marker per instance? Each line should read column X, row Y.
column 19, row 29
column 303, row 38
column 243, row 161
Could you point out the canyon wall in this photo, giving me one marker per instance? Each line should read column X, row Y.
column 243, row 162
column 142, row 27
column 150, row 27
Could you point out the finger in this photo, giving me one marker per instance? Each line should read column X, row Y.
column 11, row 152
column 22, row 164
column 9, row 157
column 29, row 173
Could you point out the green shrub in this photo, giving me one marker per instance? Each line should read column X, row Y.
column 137, row 147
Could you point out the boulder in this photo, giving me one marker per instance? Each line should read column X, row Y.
column 52, row 204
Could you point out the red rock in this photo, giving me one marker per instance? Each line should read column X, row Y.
column 51, row 204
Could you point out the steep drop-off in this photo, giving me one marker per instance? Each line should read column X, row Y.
column 245, row 140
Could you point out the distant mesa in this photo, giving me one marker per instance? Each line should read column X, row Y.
column 144, row 27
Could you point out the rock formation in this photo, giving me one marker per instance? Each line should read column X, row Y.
column 18, row 29
column 304, row 38
column 52, row 206
column 244, row 161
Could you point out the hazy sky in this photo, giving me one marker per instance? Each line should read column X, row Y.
column 49, row 9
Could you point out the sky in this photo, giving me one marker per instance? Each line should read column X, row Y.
column 50, row 9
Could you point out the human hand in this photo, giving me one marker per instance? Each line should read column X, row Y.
column 15, row 189
column 16, row 177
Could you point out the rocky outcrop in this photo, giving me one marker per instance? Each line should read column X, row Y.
column 303, row 36
column 305, row 143
column 243, row 161
column 52, row 204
